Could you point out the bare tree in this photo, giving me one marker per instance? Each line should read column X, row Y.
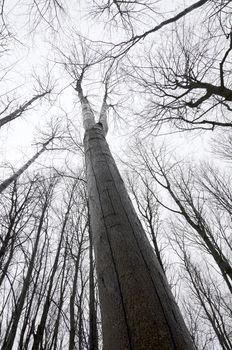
column 126, row 11
column 21, row 170
column 9, row 339
column 76, row 257
column 48, row 296
column 37, row 11
column 18, row 112
column 206, row 303
column 209, row 297
column 221, row 146
column 186, row 83
column 212, row 302
column 39, row 334
column 149, row 210
column 192, row 208
column 36, row 266
column 14, row 206
column 126, row 264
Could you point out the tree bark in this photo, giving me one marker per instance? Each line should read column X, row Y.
column 138, row 309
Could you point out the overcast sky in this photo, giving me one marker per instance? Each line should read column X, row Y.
column 33, row 50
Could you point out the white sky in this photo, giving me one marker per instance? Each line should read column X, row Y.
column 33, row 52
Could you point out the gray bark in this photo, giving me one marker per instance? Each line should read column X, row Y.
column 138, row 309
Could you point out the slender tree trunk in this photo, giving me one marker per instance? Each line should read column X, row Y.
column 93, row 333
column 39, row 334
column 6, row 266
column 63, row 286
column 138, row 309
column 72, row 303
column 23, row 344
column 80, row 332
column 20, row 171
column 19, row 111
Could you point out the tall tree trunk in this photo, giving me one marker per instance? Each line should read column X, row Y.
column 138, row 309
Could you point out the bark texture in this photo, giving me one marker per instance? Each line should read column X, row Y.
column 138, row 309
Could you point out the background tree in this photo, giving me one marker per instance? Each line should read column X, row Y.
column 200, row 217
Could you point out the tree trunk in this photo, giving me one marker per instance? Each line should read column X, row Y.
column 19, row 111
column 138, row 309
column 21, row 170
column 73, row 295
column 93, row 332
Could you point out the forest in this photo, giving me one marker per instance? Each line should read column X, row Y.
column 115, row 175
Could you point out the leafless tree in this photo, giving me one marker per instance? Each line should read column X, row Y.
column 186, row 82
column 149, row 210
column 200, row 209
column 37, row 268
column 191, row 204
column 37, row 11
column 209, row 298
column 15, row 206
column 12, row 110
column 11, row 332
column 127, row 12
column 48, row 291
column 221, row 146
column 21, row 170
column 123, row 253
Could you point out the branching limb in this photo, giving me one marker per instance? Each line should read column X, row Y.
column 104, row 109
column 223, row 61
